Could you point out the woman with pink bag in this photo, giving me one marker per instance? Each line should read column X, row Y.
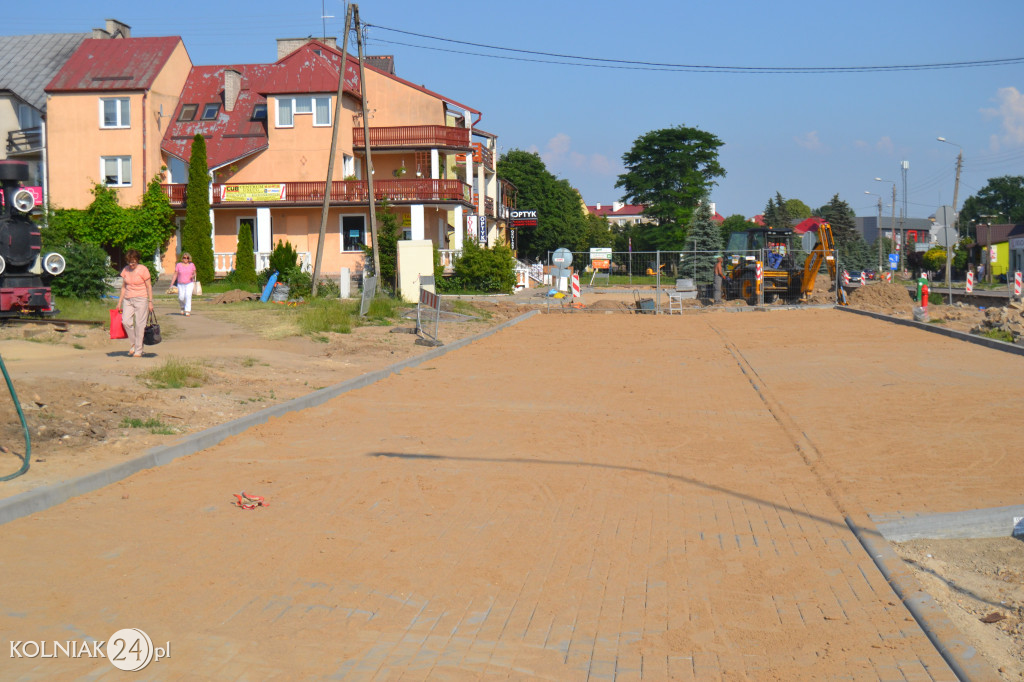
column 137, row 299
column 185, row 279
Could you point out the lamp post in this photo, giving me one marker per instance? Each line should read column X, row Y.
column 956, row 218
column 892, row 226
column 879, row 229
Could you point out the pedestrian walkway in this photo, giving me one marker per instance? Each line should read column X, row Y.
column 571, row 499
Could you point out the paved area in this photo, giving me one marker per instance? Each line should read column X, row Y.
column 591, row 497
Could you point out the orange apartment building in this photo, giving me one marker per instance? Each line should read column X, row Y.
column 123, row 116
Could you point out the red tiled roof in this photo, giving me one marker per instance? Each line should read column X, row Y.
column 718, row 217
column 808, row 225
column 233, row 135
column 608, row 210
column 121, row 64
column 758, row 219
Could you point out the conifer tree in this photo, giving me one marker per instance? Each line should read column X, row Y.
column 195, row 233
column 706, row 239
column 245, row 260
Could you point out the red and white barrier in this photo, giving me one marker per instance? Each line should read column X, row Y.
column 863, row 278
column 888, row 276
column 575, row 285
column 846, row 278
column 970, row 282
column 759, row 272
column 1016, row 283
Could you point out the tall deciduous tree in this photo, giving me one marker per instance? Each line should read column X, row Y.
column 561, row 222
column 734, row 223
column 195, row 233
column 668, row 171
column 1001, row 200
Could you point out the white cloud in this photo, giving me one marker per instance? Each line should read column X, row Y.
column 885, row 145
column 558, row 154
column 810, row 141
column 1010, row 110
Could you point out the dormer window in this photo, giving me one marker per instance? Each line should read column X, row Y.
column 259, row 112
column 210, row 111
column 188, row 112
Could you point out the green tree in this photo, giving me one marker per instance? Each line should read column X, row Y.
column 483, row 269
column 1001, row 197
column 599, row 232
column 149, row 226
column 561, row 221
column 854, row 252
column 776, row 214
column 797, row 209
column 734, row 223
column 388, row 235
column 195, row 233
column 706, row 241
column 245, row 260
column 668, row 171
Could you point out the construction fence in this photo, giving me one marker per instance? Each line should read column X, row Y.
column 782, row 274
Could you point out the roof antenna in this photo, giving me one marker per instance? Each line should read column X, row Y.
column 323, row 19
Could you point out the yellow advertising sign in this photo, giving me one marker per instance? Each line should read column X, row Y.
column 264, row 192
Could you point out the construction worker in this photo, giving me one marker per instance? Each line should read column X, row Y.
column 719, row 278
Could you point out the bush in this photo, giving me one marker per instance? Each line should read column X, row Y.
column 487, row 270
column 85, row 272
column 283, row 258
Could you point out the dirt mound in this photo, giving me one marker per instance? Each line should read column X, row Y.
column 605, row 304
column 234, row 296
column 882, row 297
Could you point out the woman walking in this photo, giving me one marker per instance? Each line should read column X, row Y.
column 137, row 300
column 185, row 279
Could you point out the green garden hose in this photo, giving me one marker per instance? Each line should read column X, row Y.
column 24, row 425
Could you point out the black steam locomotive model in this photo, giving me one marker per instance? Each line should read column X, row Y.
column 24, row 270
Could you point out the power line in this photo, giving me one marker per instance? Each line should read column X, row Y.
column 604, row 62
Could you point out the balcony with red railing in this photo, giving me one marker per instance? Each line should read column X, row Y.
column 412, row 137
column 413, row 191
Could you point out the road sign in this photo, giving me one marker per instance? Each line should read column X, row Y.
column 562, row 257
column 947, row 237
column 894, row 260
column 945, row 215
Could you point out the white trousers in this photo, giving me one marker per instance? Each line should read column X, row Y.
column 185, row 296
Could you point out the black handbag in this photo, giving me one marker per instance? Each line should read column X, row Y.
column 151, row 335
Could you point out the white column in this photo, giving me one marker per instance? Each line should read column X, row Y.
column 481, row 191
column 460, row 229
column 435, row 165
column 418, row 228
column 263, row 242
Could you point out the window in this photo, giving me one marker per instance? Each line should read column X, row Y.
column 188, row 112
column 28, row 117
column 353, row 232
column 116, row 170
column 290, row 107
column 350, row 166
column 210, row 111
column 115, row 112
column 259, row 112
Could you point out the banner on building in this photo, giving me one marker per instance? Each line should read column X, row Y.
column 261, row 192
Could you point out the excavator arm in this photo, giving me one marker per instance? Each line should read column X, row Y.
column 824, row 250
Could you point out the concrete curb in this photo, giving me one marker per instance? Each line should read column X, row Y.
column 937, row 329
column 48, row 496
column 995, row 522
column 962, row 658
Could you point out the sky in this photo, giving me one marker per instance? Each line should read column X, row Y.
column 807, row 136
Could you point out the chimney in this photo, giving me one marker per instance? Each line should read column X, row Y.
column 232, row 86
column 617, row 206
column 114, row 29
column 598, row 207
column 285, row 46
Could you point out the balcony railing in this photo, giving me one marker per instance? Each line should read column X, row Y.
column 413, row 136
column 223, row 263
column 417, row 190
column 24, row 141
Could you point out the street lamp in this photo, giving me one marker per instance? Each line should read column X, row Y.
column 879, row 229
column 892, row 226
column 956, row 218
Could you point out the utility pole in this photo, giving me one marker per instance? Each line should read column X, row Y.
column 366, row 139
column 879, row 238
column 334, row 146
